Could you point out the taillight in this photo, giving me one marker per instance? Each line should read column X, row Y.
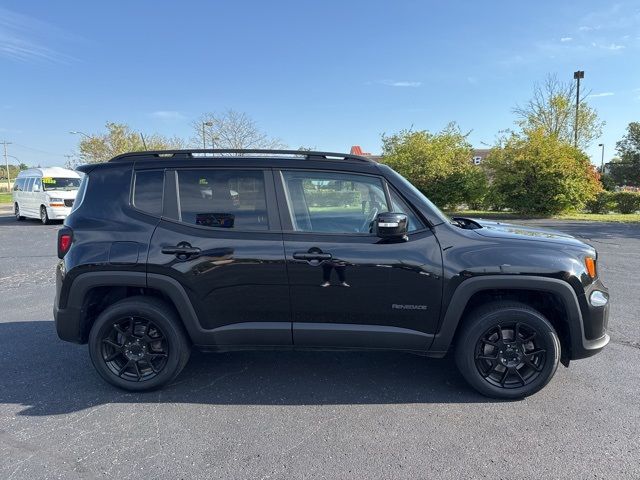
column 65, row 237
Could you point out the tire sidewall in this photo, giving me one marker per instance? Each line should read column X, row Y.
column 465, row 350
column 44, row 215
column 163, row 318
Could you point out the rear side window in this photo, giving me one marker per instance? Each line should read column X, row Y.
column 29, row 184
column 147, row 191
column 18, row 186
column 223, row 199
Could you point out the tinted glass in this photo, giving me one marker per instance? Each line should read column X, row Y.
column 400, row 206
column 37, row 185
column 60, row 183
column 18, row 185
column 333, row 202
column 29, row 184
column 223, row 199
column 147, row 191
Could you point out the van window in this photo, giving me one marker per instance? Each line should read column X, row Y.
column 147, row 191
column 29, row 184
column 60, row 183
column 18, row 185
column 37, row 184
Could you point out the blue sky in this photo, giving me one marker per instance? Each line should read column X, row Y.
column 327, row 74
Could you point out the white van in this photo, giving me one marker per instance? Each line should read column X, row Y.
column 45, row 193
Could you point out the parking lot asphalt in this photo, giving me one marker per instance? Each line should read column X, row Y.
column 305, row 414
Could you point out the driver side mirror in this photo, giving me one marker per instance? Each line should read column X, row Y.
column 389, row 225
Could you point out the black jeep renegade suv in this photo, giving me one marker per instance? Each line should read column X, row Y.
column 250, row 249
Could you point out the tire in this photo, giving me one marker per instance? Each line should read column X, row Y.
column 16, row 210
column 44, row 216
column 507, row 350
column 138, row 344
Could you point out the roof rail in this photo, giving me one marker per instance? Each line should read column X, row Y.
column 307, row 155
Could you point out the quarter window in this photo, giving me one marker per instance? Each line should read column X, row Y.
column 223, row 199
column 147, row 191
column 328, row 202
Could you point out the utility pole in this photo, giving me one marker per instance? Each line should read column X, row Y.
column 6, row 161
column 577, row 76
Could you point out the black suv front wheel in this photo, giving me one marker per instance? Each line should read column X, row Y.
column 507, row 350
column 138, row 344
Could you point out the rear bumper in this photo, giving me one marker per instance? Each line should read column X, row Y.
column 67, row 320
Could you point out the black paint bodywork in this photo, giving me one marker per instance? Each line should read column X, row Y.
column 267, row 289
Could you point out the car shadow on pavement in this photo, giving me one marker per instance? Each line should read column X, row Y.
column 10, row 221
column 47, row 377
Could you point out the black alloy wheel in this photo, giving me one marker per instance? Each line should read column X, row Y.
column 509, row 355
column 507, row 349
column 135, row 349
column 139, row 343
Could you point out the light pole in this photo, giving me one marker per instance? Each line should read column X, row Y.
column 204, row 136
column 602, row 160
column 577, row 76
column 76, row 132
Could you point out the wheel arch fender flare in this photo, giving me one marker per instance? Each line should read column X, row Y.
column 168, row 286
column 468, row 288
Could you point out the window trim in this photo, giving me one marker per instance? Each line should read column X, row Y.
column 172, row 198
column 286, row 211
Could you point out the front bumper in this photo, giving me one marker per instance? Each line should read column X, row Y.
column 58, row 213
column 595, row 321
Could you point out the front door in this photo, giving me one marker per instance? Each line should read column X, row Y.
column 221, row 240
column 350, row 288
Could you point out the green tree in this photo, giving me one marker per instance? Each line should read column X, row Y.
column 626, row 169
column 535, row 172
column 552, row 109
column 120, row 138
column 439, row 164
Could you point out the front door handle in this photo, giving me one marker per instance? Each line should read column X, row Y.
column 312, row 256
column 182, row 250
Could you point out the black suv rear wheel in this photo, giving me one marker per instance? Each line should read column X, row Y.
column 138, row 344
column 507, row 350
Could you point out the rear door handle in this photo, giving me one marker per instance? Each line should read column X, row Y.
column 312, row 256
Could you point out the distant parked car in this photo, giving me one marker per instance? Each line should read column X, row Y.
column 45, row 193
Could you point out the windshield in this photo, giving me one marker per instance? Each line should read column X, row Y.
column 60, row 183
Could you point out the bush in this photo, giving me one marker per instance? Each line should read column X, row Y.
column 603, row 203
column 627, row 202
column 535, row 173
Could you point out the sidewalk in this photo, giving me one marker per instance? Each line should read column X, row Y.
column 6, row 209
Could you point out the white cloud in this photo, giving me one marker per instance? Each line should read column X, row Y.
column 26, row 39
column 603, row 94
column 401, row 83
column 170, row 115
column 566, row 39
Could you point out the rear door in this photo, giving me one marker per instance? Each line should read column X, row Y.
column 220, row 238
column 350, row 288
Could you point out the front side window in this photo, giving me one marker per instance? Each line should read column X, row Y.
column 400, row 206
column 147, row 191
column 29, row 184
column 327, row 202
column 37, row 185
column 223, row 199
column 60, row 183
